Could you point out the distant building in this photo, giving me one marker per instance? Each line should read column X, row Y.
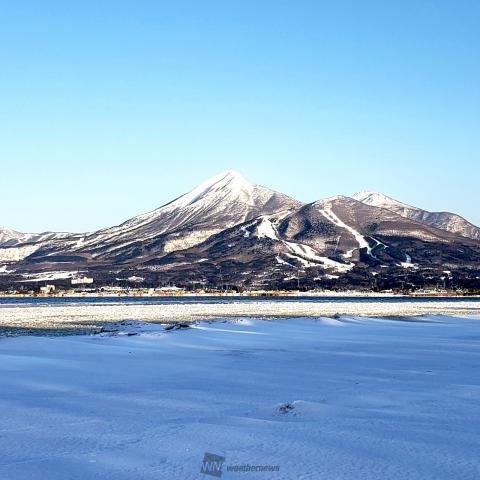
column 169, row 289
column 135, row 279
column 82, row 281
column 47, row 289
column 110, row 289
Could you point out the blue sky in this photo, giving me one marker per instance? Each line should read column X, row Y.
column 110, row 109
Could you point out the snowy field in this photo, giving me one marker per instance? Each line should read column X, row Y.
column 310, row 398
column 32, row 316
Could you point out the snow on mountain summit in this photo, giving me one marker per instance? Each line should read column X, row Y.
column 220, row 202
column 225, row 196
column 450, row 222
column 376, row 199
column 228, row 183
column 9, row 236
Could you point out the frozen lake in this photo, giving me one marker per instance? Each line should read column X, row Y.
column 38, row 316
column 345, row 398
column 217, row 299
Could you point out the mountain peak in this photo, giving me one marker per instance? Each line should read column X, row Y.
column 222, row 201
column 229, row 178
column 230, row 173
column 332, row 199
column 229, row 182
column 442, row 220
column 376, row 199
column 370, row 195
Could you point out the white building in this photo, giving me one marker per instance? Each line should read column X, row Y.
column 135, row 279
column 47, row 289
column 82, row 281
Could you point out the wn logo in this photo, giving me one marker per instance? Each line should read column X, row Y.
column 212, row 465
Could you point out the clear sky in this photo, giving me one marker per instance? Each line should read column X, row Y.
column 111, row 108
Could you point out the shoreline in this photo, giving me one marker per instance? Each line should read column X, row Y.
column 213, row 294
column 346, row 294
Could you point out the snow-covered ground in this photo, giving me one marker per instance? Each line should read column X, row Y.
column 27, row 316
column 317, row 398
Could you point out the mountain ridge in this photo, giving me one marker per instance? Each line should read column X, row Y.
column 444, row 220
column 230, row 228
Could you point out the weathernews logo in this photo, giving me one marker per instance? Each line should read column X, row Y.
column 213, row 465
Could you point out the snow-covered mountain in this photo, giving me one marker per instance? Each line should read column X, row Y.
column 443, row 220
column 230, row 230
column 9, row 237
column 222, row 201
column 338, row 239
